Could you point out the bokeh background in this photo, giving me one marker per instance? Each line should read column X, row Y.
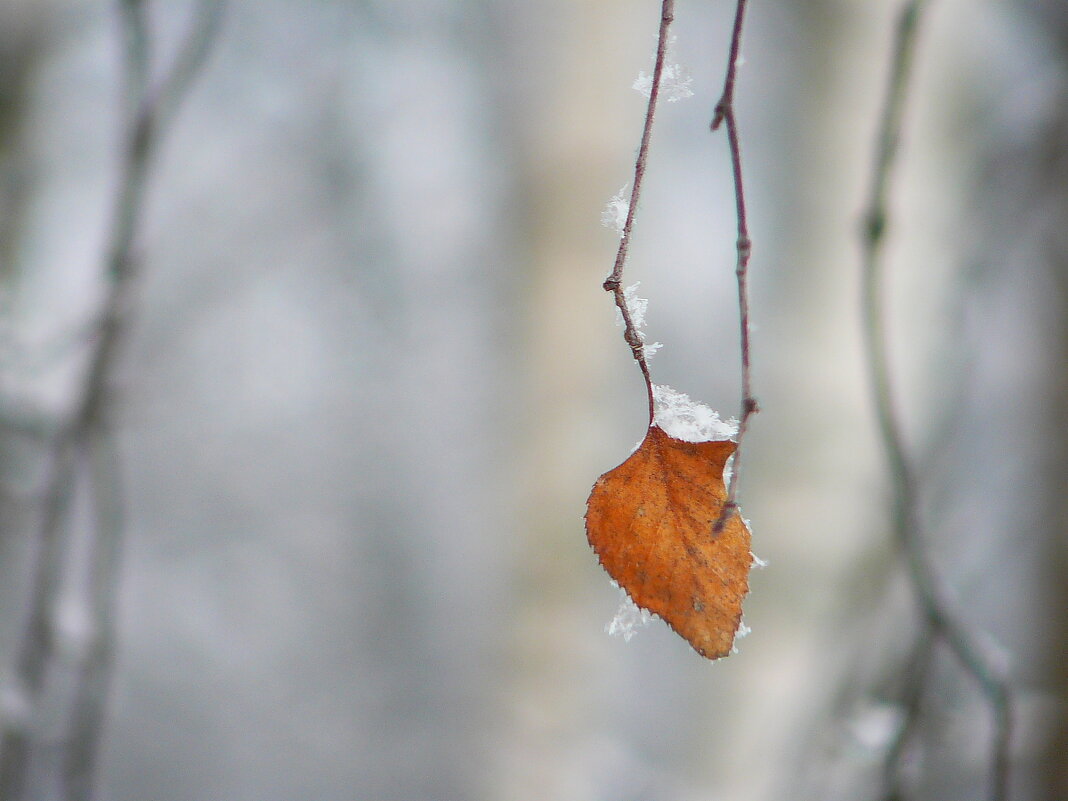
column 370, row 376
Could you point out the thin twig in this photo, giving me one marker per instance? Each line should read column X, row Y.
column 724, row 114
column 907, row 525
column 614, row 282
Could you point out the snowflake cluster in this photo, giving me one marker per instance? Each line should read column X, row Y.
column 629, row 618
column 615, row 211
column 687, row 419
column 636, row 308
column 674, row 83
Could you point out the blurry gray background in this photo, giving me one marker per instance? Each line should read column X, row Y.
column 372, row 375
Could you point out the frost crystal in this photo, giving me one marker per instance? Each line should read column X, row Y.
column 635, row 305
column 615, row 212
column 743, row 631
column 674, row 83
column 636, row 308
column 758, row 563
column 629, row 618
column 688, row 420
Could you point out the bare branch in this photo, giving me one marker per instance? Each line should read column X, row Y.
column 915, row 676
column 94, row 674
column 907, row 525
column 614, row 282
column 156, row 109
column 37, row 642
column 188, row 63
column 724, row 114
column 84, row 444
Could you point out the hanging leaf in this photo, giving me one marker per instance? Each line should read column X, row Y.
column 651, row 521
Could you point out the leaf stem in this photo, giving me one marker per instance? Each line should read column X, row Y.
column 614, row 282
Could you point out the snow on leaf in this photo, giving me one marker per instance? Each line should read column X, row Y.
column 628, row 619
column 743, row 631
column 687, row 419
column 650, row 522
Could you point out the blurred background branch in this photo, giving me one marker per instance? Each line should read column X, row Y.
column 83, row 448
column 909, row 529
column 361, row 391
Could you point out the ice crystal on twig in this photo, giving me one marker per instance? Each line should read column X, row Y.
column 636, row 308
column 674, row 83
column 615, row 211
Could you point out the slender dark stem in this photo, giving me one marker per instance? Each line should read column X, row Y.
column 907, row 524
column 724, row 108
column 614, row 282
column 724, row 114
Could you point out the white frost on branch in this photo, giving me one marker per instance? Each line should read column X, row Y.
column 636, row 308
column 629, row 617
column 615, row 211
column 674, row 83
column 687, row 419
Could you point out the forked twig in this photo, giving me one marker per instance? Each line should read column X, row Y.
column 915, row 674
column 614, row 282
column 907, row 525
column 152, row 111
column 724, row 115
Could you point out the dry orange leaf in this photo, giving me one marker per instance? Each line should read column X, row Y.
column 650, row 521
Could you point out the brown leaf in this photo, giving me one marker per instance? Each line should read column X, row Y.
column 650, row 521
